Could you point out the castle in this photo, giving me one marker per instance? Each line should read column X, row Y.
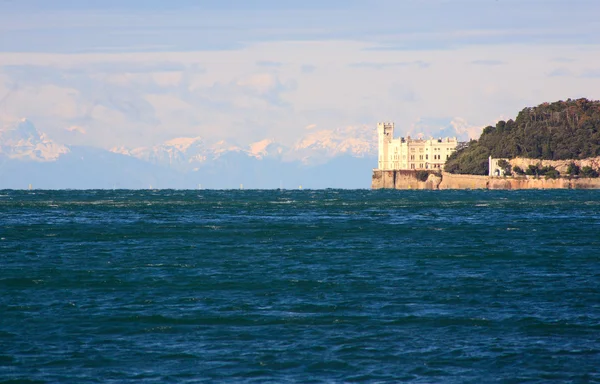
column 412, row 154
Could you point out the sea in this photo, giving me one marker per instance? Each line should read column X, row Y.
column 311, row 286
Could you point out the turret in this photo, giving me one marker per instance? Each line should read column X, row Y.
column 385, row 133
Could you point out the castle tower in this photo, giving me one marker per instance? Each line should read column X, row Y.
column 385, row 133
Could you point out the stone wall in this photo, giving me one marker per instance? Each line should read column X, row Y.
column 402, row 180
column 528, row 183
column 452, row 181
column 408, row 180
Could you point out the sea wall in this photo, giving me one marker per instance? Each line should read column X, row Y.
column 452, row 181
column 408, row 180
column 402, row 180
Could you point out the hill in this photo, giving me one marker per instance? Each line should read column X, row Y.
column 550, row 131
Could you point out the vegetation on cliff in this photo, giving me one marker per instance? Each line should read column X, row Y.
column 551, row 131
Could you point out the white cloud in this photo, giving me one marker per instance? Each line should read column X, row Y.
column 463, row 128
column 76, row 128
column 139, row 99
column 260, row 82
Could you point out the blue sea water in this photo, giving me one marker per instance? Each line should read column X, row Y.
column 299, row 286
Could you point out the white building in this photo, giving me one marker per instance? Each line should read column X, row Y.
column 494, row 168
column 408, row 154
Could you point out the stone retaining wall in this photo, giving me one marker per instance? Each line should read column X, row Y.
column 452, row 181
column 408, row 180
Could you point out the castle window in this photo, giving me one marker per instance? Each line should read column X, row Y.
column 426, row 157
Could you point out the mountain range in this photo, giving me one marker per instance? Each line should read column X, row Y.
column 338, row 158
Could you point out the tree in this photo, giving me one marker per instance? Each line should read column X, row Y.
column 518, row 170
column 573, row 169
column 505, row 165
column 588, row 171
column 550, row 131
column 532, row 170
column 552, row 174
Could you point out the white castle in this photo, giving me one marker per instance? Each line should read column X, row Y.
column 412, row 154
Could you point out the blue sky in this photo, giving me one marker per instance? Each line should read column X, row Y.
column 111, row 73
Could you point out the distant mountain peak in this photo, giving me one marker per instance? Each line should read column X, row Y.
column 357, row 141
column 183, row 143
column 21, row 140
column 265, row 148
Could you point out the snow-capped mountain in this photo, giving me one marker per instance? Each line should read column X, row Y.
column 183, row 153
column 316, row 147
column 192, row 152
column 21, row 140
column 265, row 149
column 320, row 159
column 173, row 153
column 320, row 145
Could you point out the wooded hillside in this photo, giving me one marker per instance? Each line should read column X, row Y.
column 551, row 131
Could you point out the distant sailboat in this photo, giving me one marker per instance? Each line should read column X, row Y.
column 30, row 187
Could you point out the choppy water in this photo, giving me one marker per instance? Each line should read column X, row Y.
column 311, row 286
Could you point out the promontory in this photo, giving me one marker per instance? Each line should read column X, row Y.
column 552, row 145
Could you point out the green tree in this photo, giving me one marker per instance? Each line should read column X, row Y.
column 550, row 131
column 573, row 169
column 518, row 170
column 588, row 171
column 552, row 174
column 532, row 170
column 505, row 165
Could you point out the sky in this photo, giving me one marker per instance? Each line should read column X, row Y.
column 139, row 72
